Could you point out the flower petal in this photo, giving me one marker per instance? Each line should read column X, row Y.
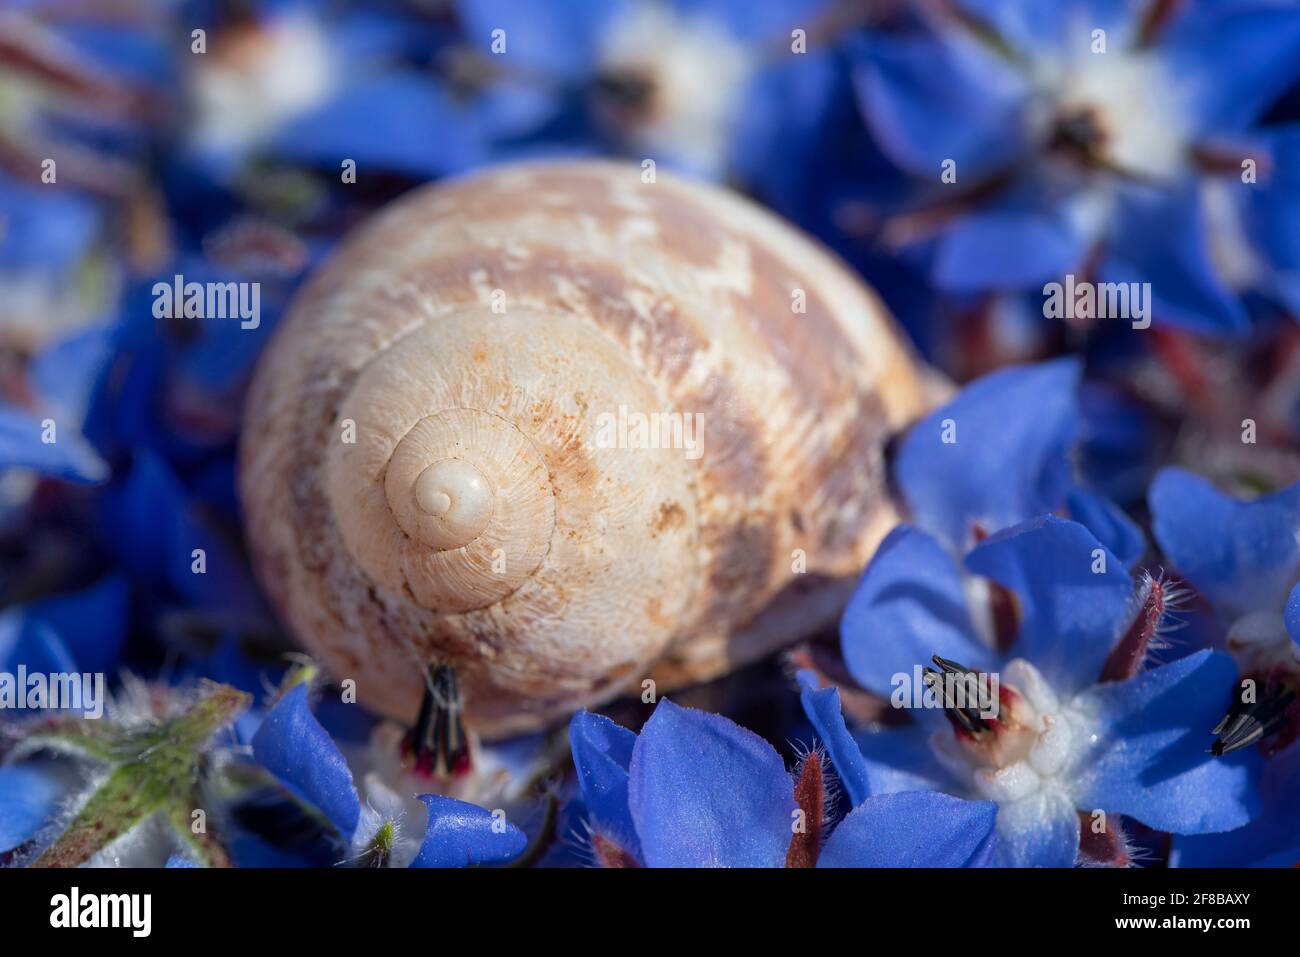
column 28, row 799
column 1041, row 830
column 1152, row 761
column 1074, row 596
column 68, row 457
column 1106, row 520
column 822, row 705
column 461, row 834
column 995, row 455
column 602, row 753
column 557, row 38
column 1161, row 238
column 704, row 792
column 903, row 760
column 1032, row 28
column 1242, row 556
column 92, row 622
column 1256, row 56
column 1271, row 840
column 929, row 99
column 913, row 829
column 398, row 121
column 34, row 645
column 293, row 746
column 1006, row 248
column 909, row 606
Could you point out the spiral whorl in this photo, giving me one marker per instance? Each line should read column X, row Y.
column 472, row 496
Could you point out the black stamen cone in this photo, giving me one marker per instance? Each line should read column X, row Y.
column 965, row 714
column 438, row 738
column 1248, row 724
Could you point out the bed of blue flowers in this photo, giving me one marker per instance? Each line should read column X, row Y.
column 1116, row 535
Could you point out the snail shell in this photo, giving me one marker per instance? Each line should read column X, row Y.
column 422, row 472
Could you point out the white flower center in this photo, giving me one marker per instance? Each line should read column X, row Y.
column 1127, row 97
column 695, row 72
column 1031, row 747
column 255, row 81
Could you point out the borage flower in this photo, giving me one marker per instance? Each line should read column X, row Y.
column 705, row 86
column 1085, row 137
column 696, row 790
column 1243, row 557
column 1081, row 724
column 293, row 746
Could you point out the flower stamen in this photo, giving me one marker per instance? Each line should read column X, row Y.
column 437, row 742
column 1248, row 724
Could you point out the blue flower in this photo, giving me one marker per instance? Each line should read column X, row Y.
column 1077, row 724
column 708, row 86
column 1244, row 558
column 293, row 746
column 1000, row 453
column 1084, row 136
column 696, row 790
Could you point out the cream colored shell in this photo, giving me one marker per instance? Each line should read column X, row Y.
column 431, row 467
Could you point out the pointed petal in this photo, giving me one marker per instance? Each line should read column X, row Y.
column 913, row 829
column 293, row 746
column 909, row 605
column 602, row 753
column 823, row 709
column 461, row 834
column 1151, row 760
column 704, row 792
column 1071, row 613
column 995, row 455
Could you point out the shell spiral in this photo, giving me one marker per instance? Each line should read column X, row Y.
column 444, row 455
